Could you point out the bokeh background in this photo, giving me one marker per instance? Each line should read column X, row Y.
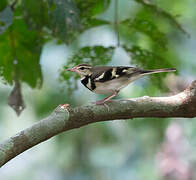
column 144, row 148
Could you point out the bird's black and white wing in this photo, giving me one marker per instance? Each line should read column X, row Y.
column 104, row 74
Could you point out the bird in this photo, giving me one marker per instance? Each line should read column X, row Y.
column 110, row 79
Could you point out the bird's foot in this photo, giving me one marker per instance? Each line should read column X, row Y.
column 102, row 102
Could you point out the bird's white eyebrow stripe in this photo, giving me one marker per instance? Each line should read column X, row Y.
column 85, row 67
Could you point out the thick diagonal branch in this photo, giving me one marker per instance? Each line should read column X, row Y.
column 63, row 119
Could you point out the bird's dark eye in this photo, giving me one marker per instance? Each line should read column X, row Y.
column 82, row 68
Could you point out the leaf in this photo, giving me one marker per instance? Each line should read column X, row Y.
column 6, row 19
column 3, row 4
column 15, row 99
column 64, row 19
column 89, row 8
column 35, row 14
column 148, row 28
column 90, row 55
column 145, row 58
column 19, row 55
column 149, row 60
column 156, row 10
column 88, row 11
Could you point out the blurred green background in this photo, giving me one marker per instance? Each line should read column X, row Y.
column 38, row 39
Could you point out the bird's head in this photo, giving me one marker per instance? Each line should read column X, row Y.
column 82, row 69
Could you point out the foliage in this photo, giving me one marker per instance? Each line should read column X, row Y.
column 152, row 8
column 147, row 27
column 26, row 25
column 89, row 9
column 20, row 55
column 63, row 19
column 150, row 33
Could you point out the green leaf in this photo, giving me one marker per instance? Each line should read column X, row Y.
column 35, row 14
column 91, row 54
column 3, row 4
column 145, row 58
column 19, row 53
column 64, row 19
column 158, row 11
column 149, row 60
column 6, row 18
column 148, row 28
column 88, row 10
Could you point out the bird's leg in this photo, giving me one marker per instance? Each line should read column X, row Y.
column 102, row 102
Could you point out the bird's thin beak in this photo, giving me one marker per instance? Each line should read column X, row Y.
column 72, row 69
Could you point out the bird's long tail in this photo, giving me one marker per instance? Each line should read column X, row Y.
column 145, row 72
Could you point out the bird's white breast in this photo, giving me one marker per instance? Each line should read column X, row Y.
column 112, row 85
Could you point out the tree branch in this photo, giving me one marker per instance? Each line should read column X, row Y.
column 65, row 118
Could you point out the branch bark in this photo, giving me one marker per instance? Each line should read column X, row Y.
column 65, row 118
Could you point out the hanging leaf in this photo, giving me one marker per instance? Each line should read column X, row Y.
column 15, row 100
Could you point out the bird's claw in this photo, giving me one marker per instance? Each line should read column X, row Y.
column 101, row 103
